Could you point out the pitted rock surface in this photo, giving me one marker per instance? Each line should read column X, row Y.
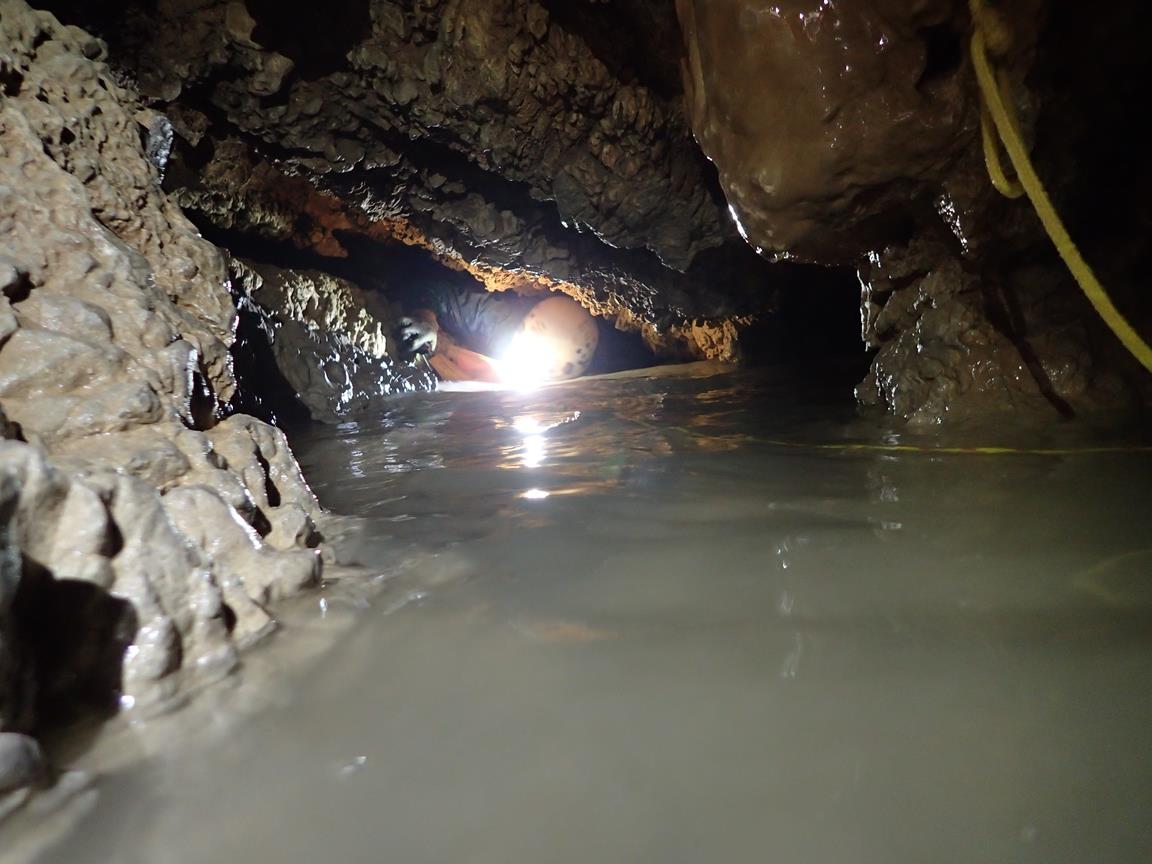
column 113, row 308
column 507, row 139
column 495, row 83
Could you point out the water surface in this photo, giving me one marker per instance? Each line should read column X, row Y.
column 632, row 621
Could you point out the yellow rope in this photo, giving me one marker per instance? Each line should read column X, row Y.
column 1005, row 185
column 1009, row 134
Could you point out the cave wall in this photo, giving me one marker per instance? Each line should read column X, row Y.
column 849, row 132
column 146, row 525
column 524, row 104
column 540, row 145
column 146, row 528
column 337, row 358
column 141, row 536
column 825, row 119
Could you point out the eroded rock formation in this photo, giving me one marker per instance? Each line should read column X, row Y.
column 144, row 532
column 494, row 82
column 141, row 538
column 825, row 119
column 532, row 144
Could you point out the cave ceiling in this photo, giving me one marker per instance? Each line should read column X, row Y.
column 534, row 145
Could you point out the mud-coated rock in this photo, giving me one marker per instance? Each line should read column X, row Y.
column 825, row 120
column 237, row 551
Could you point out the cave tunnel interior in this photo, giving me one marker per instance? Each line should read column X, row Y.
column 835, row 549
column 582, row 148
column 804, row 317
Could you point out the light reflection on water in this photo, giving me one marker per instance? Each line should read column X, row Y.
column 645, row 633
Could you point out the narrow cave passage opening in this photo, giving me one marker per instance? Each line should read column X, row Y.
column 811, row 334
column 393, row 283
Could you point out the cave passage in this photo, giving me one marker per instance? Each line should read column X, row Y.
column 591, row 431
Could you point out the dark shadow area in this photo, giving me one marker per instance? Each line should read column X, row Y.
column 74, row 635
column 292, row 30
column 815, row 331
column 261, row 389
column 1087, row 130
column 943, row 53
column 638, row 40
column 619, row 351
column 98, row 17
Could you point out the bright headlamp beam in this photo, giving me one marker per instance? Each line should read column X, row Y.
column 527, row 362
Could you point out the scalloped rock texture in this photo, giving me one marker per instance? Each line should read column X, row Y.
column 545, row 144
column 238, row 191
column 138, row 552
column 492, row 80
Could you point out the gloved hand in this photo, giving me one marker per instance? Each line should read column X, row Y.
column 417, row 334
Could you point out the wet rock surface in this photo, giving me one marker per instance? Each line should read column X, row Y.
column 140, row 540
column 494, row 83
column 508, row 140
column 547, row 146
column 954, row 341
column 825, row 119
column 850, row 130
column 337, row 357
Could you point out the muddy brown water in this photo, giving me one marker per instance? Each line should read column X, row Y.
column 627, row 621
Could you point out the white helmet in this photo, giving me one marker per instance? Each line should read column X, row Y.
column 556, row 342
column 570, row 331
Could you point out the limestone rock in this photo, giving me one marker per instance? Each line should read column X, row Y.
column 535, row 104
column 113, row 313
column 822, row 120
column 953, row 343
column 240, row 556
column 326, row 343
column 533, row 145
